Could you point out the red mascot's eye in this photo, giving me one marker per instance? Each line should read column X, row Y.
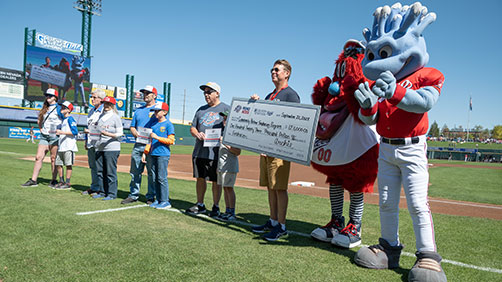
column 342, row 70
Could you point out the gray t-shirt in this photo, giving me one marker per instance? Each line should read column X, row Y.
column 110, row 122
column 207, row 118
column 227, row 162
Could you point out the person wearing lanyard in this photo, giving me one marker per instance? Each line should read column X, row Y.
column 274, row 172
column 92, row 120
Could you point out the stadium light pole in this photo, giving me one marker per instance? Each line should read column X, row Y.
column 88, row 8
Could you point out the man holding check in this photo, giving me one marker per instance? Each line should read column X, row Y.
column 207, row 127
column 274, row 172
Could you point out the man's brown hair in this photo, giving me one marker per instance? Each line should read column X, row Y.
column 285, row 64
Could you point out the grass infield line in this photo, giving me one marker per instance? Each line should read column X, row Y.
column 461, row 264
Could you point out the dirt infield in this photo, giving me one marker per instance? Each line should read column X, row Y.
column 180, row 167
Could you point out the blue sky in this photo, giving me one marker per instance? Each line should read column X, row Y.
column 235, row 43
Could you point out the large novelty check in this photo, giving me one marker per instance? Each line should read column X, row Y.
column 278, row 129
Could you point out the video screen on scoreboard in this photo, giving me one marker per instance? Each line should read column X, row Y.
column 67, row 73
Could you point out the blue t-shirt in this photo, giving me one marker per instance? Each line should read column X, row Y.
column 143, row 117
column 162, row 129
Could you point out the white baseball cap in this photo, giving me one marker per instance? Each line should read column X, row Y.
column 149, row 89
column 68, row 105
column 212, row 85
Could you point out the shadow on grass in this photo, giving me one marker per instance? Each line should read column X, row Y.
column 247, row 220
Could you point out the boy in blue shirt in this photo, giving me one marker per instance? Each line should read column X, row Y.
column 162, row 137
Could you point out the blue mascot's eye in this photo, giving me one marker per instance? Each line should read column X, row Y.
column 370, row 55
column 334, row 88
column 385, row 51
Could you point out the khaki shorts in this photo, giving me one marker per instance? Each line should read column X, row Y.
column 65, row 158
column 227, row 179
column 274, row 173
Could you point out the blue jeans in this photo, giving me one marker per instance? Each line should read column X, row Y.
column 91, row 158
column 137, row 168
column 106, row 163
column 159, row 171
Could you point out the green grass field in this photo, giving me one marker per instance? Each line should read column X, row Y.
column 43, row 239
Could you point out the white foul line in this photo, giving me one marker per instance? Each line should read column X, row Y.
column 111, row 210
column 461, row 264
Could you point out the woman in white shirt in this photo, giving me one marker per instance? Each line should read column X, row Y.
column 49, row 119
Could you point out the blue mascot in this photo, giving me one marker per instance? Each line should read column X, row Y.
column 397, row 102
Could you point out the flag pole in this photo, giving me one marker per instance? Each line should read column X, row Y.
column 469, row 116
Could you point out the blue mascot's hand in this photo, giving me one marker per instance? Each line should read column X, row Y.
column 364, row 96
column 385, row 85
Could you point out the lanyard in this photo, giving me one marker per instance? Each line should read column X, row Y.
column 275, row 94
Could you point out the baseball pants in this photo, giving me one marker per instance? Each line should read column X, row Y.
column 405, row 165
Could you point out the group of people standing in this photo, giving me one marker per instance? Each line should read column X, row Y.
column 58, row 134
column 219, row 164
column 154, row 133
column 104, row 129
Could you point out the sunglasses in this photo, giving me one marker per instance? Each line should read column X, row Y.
column 275, row 69
column 48, row 96
column 209, row 92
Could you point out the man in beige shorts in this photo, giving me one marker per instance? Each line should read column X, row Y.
column 274, row 172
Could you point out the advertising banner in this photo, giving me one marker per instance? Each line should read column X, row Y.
column 109, row 90
column 23, row 133
column 11, row 83
column 11, row 76
column 69, row 74
column 10, row 90
column 57, row 44
column 279, row 129
column 121, row 93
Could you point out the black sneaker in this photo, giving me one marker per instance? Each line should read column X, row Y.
column 349, row 237
column 263, row 228
column 276, row 233
column 53, row 183
column 30, row 183
column 128, row 200
column 196, row 209
column 215, row 211
column 330, row 230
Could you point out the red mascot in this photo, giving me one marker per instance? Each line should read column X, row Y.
column 346, row 149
